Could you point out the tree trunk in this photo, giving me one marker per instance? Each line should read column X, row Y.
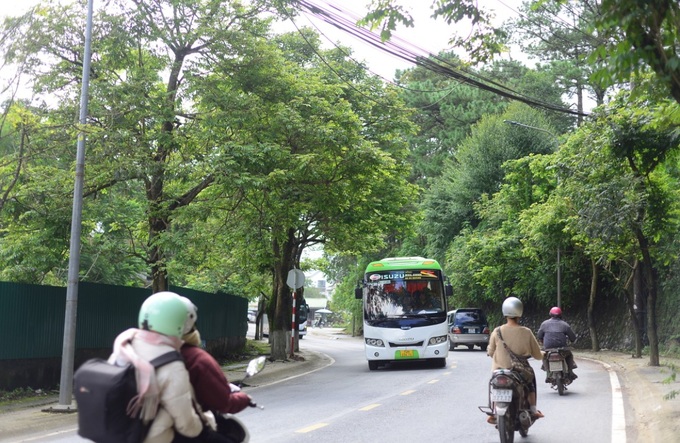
column 280, row 340
column 159, row 275
column 650, row 280
column 595, row 342
column 636, row 306
column 579, row 103
column 282, row 303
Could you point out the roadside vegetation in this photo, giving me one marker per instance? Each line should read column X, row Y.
column 219, row 150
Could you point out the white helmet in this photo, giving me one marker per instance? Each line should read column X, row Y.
column 191, row 317
column 512, row 307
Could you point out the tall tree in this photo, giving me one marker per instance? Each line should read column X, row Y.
column 148, row 57
column 640, row 35
column 620, row 175
column 477, row 170
column 558, row 33
column 315, row 156
column 447, row 109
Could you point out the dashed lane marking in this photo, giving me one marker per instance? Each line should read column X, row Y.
column 311, row 428
column 369, row 407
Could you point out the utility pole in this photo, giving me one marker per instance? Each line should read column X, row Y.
column 68, row 352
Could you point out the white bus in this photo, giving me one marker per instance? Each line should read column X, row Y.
column 404, row 301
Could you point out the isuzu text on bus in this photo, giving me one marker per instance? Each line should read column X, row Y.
column 404, row 300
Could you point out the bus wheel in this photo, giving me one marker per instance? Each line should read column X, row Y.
column 372, row 365
column 439, row 362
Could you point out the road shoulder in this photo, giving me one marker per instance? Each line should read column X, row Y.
column 649, row 417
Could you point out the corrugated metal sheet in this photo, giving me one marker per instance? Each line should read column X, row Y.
column 32, row 316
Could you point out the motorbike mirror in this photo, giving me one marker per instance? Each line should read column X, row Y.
column 255, row 366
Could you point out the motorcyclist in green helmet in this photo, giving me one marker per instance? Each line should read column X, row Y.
column 165, row 394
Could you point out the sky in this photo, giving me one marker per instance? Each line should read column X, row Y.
column 427, row 34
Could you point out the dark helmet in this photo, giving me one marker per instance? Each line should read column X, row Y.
column 556, row 312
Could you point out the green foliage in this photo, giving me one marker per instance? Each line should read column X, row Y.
column 481, row 44
column 478, row 170
column 562, row 44
column 640, row 36
column 448, row 109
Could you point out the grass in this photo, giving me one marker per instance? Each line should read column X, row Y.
column 252, row 349
column 24, row 395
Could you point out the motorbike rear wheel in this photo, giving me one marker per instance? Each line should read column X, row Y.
column 560, row 384
column 506, row 427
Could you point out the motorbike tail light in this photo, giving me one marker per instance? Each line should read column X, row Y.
column 554, row 357
column 502, row 381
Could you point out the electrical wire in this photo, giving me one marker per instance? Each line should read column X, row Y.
column 410, row 53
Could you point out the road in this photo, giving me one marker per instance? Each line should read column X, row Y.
column 345, row 402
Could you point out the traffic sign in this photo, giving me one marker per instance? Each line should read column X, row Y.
column 296, row 279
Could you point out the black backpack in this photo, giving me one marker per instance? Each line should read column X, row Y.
column 103, row 392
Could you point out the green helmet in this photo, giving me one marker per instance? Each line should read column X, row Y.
column 163, row 312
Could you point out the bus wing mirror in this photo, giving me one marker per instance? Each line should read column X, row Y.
column 448, row 290
column 358, row 293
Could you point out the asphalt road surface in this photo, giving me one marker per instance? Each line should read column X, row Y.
column 345, row 402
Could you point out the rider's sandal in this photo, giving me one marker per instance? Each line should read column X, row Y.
column 536, row 415
column 491, row 419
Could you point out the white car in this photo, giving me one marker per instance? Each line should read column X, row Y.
column 265, row 327
column 252, row 315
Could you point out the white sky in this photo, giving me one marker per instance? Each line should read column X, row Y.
column 430, row 35
column 427, row 35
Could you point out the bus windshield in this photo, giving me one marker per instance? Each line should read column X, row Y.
column 416, row 296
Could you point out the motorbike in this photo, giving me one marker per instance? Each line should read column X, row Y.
column 557, row 369
column 509, row 404
column 229, row 424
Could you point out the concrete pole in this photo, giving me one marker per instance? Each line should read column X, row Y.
column 68, row 352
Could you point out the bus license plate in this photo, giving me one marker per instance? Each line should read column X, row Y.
column 412, row 353
column 501, row 395
column 555, row 366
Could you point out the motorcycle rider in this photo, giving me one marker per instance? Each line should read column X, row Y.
column 521, row 341
column 165, row 394
column 212, row 389
column 554, row 333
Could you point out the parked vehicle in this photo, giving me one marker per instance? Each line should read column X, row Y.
column 252, row 315
column 557, row 370
column 508, row 404
column 468, row 327
column 302, row 327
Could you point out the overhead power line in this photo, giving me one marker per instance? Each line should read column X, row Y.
column 337, row 17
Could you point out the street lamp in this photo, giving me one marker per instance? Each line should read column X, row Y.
column 559, row 273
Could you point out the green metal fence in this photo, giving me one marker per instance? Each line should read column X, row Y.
column 32, row 317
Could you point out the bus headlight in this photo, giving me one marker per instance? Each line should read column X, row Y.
column 438, row 340
column 375, row 342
